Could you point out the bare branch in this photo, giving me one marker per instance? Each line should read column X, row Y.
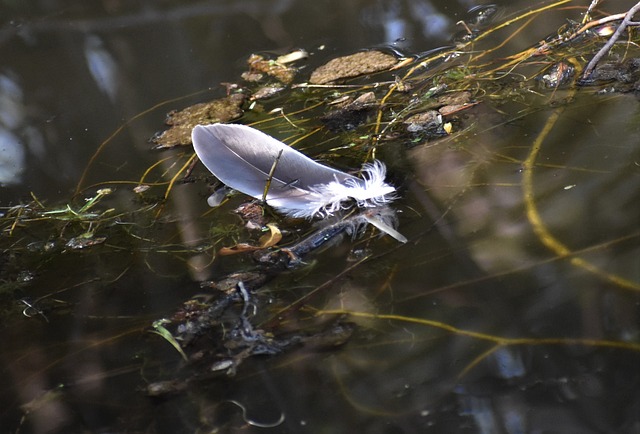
column 627, row 21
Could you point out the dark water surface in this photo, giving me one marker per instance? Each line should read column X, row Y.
column 514, row 308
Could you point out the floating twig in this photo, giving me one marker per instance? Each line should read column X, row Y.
column 605, row 49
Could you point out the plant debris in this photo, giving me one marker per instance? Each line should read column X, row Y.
column 429, row 122
column 219, row 332
column 558, row 74
column 351, row 114
column 620, row 76
column 266, row 92
column 84, row 241
column 183, row 121
column 454, row 102
column 270, row 239
column 354, row 65
column 259, row 65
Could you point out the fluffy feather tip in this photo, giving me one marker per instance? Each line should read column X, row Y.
column 325, row 199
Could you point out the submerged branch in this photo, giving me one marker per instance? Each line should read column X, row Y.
column 614, row 38
column 499, row 340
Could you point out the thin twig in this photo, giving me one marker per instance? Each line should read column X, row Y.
column 587, row 15
column 604, row 50
column 267, row 185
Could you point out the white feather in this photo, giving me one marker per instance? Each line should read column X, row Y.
column 241, row 157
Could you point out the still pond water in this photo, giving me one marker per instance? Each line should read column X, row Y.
column 513, row 308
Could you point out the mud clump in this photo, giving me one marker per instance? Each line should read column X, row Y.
column 354, row 65
column 183, row 121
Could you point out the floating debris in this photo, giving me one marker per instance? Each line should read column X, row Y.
column 354, row 65
column 383, row 218
column 266, row 92
column 260, row 65
column 165, row 388
column 251, row 279
column 559, row 74
column 293, row 56
column 454, row 102
column 429, row 123
column 84, row 241
column 402, row 86
column 139, row 189
column 270, row 239
column 482, row 15
column 351, row 114
column 253, row 214
column 218, row 331
column 623, row 76
column 183, row 121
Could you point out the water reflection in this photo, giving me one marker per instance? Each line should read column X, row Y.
column 12, row 119
column 402, row 19
column 102, row 66
column 477, row 325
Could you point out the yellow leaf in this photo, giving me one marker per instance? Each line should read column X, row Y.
column 272, row 238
